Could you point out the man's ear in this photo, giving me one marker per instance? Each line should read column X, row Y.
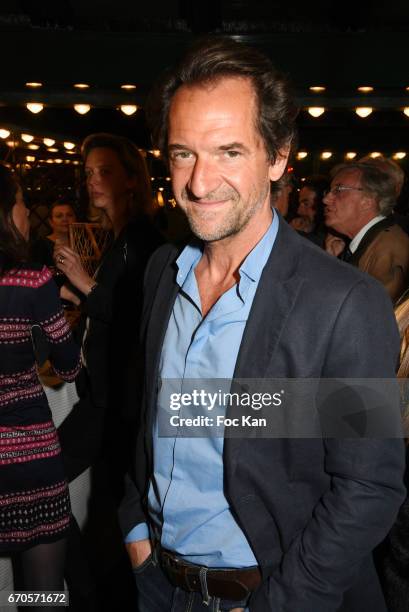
column 276, row 169
column 368, row 203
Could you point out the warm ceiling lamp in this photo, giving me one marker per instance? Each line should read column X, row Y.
column 81, row 85
column 27, row 137
column 406, row 111
column 4, row 133
column 375, row 154
column 365, row 89
column 58, row 161
column 33, row 147
column 52, row 150
column 302, row 154
column 317, row 88
column 316, row 111
column 364, row 111
column 34, row 84
column 156, row 153
column 35, row 107
column 399, row 155
column 350, row 155
column 69, row 145
column 82, row 109
column 128, row 109
column 48, row 142
column 30, row 158
column 12, row 143
column 326, row 154
column 128, row 86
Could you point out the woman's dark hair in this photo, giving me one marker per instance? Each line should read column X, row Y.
column 13, row 246
column 133, row 163
column 212, row 59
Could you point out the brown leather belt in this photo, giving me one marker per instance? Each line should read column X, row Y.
column 232, row 584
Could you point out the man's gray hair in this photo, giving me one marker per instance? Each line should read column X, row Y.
column 375, row 182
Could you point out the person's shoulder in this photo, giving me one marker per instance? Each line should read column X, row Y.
column 165, row 254
column 329, row 274
column 395, row 234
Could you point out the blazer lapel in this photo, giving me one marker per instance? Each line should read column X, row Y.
column 162, row 304
column 277, row 291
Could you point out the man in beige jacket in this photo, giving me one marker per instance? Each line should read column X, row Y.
column 359, row 205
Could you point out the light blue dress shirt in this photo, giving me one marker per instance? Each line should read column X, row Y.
column 186, row 501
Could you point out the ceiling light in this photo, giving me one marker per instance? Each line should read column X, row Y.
column 317, row 88
column 156, row 153
column 399, row 155
column 48, row 142
column 375, row 154
column 128, row 109
column 406, row 111
column 12, row 143
column 81, row 85
column 27, row 137
column 49, row 161
column 35, row 107
column 4, row 133
column 33, row 147
column 128, row 86
column 58, row 161
column 316, row 111
column 30, row 158
column 34, row 84
column 82, row 109
column 364, row 111
column 365, row 89
column 52, row 150
column 326, row 154
column 302, row 154
column 69, row 145
column 350, row 155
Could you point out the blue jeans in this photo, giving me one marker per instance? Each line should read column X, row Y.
column 157, row 594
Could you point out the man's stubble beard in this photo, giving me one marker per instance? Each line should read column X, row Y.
column 231, row 222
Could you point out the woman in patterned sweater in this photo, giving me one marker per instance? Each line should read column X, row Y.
column 34, row 500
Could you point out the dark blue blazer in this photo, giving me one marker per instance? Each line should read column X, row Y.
column 312, row 510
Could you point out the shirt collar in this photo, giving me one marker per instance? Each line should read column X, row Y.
column 354, row 244
column 252, row 266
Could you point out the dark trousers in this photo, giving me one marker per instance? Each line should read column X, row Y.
column 157, row 594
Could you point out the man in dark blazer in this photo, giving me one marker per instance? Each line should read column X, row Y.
column 259, row 524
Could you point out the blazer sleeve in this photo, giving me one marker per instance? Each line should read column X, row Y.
column 357, row 511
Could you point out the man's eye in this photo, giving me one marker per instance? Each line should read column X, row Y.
column 181, row 155
column 231, row 154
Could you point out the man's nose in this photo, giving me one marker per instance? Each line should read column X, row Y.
column 204, row 178
column 328, row 197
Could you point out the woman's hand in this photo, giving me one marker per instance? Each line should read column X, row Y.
column 68, row 261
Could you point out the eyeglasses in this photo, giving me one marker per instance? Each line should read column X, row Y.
column 340, row 188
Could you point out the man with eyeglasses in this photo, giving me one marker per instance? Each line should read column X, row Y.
column 359, row 206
